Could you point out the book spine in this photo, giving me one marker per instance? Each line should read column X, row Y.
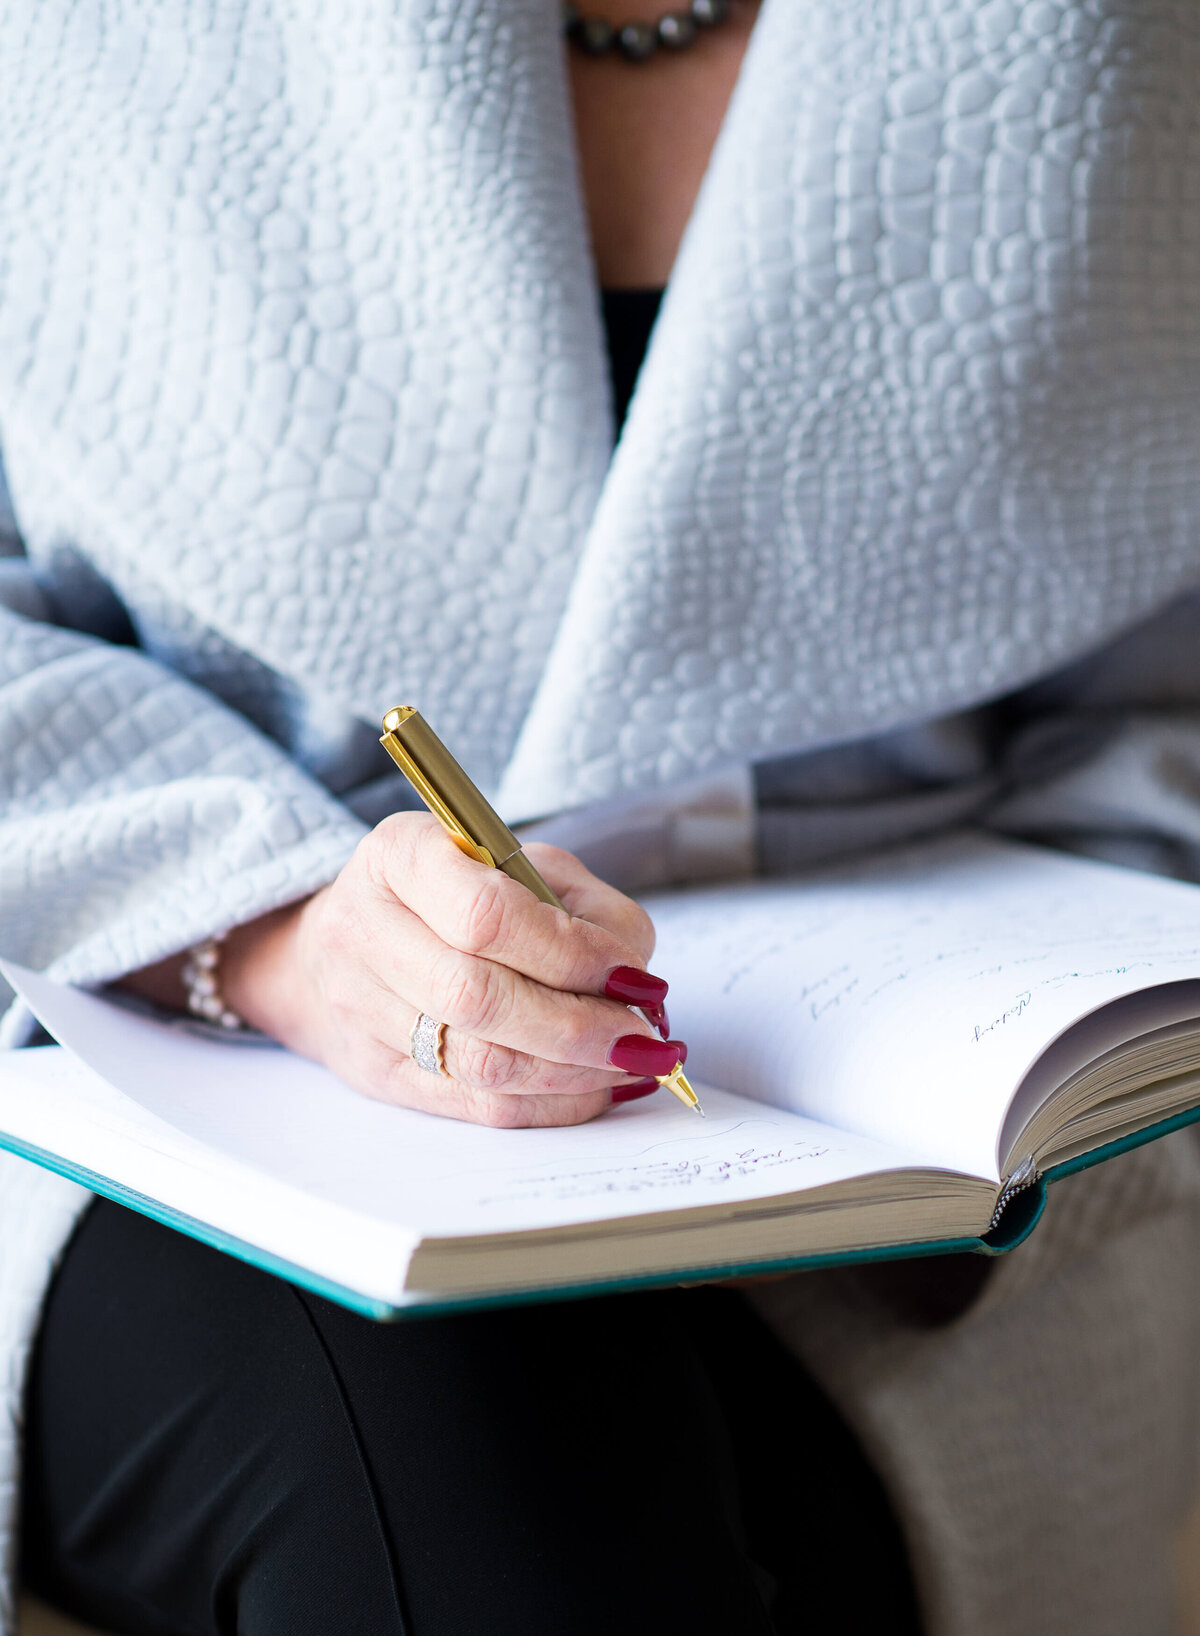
column 1025, row 1175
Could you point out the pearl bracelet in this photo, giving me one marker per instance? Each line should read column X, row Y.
column 202, row 985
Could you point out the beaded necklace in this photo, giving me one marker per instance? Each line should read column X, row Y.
column 638, row 42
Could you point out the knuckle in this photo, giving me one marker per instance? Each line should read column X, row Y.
column 387, row 831
column 483, row 920
column 497, row 1112
column 387, row 852
column 641, row 931
column 471, row 995
column 576, row 1029
column 388, row 837
column 485, row 1066
column 544, row 856
column 377, row 854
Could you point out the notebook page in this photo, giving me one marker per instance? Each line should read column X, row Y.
column 905, row 997
column 52, row 1103
column 294, row 1122
column 1148, row 1012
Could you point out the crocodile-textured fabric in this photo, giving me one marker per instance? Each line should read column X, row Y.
column 302, row 394
column 298, row 330
column 940, row 302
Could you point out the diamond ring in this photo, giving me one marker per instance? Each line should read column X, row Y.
column 427, row 1038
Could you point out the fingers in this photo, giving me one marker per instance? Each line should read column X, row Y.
column 468, row 945
column 375, row 1069
column 483, row 914
column 531, row 1038
column 592, row 899
column 481, row 1065
column 483, row 999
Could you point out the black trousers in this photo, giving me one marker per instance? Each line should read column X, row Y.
column 212, row 1451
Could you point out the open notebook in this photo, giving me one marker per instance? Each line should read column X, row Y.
column 906, row 1049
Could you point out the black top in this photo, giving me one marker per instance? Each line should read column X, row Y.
column 628, row 319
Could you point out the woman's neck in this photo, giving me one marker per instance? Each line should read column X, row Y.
column 645, row 134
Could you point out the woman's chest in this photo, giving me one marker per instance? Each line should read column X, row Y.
column 645, row 132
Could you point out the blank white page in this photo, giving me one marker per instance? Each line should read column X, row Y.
column 906, row 997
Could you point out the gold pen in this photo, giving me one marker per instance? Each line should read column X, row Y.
column 475, row 826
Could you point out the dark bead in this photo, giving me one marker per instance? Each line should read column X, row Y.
column 676, row 30
column 638, row 41
column 593, row 36
column 708, row 13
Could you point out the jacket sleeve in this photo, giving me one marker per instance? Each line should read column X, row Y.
column 138, row 814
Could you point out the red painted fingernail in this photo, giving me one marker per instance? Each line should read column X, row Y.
column 657, row 1014
column 636, row 1054
column 635, row 987
column 633, row 1093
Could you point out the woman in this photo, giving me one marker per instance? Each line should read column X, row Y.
column 305, row 411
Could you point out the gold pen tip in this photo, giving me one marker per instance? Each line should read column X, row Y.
column 397, row 716
column 677, row 1083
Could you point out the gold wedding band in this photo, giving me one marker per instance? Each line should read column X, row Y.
column 427, row 1038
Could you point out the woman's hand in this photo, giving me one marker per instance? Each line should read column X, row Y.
column 413, row 925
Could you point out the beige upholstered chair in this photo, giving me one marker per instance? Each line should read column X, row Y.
column 39, row 1620
column 1188, row 1561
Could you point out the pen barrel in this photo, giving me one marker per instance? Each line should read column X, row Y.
column 519, row 868
column 450, row 795
column 445, row 788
